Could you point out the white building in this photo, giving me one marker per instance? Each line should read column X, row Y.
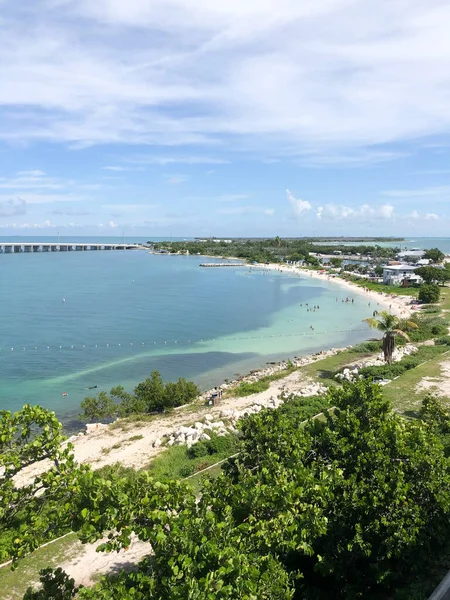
column 398, row 274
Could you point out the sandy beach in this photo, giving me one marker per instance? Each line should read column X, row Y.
column 398, row 305
column 106, row 445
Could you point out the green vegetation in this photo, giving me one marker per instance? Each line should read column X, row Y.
column 391, row 326
column 271, row 250
column 381, row 287
column 178, row 462
column 13, row 584
column 433, row 274
column 149, row 396
column 248, row 388
column 434, row 255
column 429, row 293
column 391, row 370
column 352, row 505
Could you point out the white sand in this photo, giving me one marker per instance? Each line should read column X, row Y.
column 398, row 305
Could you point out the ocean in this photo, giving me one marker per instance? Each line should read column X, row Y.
column 128, row 313
column 72, row 321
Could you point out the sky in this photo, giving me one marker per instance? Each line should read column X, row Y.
column 224, row 118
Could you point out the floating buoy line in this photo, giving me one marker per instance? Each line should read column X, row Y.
column 124, row 345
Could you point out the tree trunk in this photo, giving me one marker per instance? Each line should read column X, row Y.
column 388, row 346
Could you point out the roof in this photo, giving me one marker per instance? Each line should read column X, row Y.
column 400, row 268
column 412, row 253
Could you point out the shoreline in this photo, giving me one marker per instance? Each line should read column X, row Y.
column 102, row 445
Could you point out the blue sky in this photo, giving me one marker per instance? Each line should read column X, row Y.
column 225, row 118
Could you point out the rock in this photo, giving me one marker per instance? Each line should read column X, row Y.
column 170, row 442
column 208, row 418
column 95, row 428
column 205, row 437
column 157, row 443
column 198, row 426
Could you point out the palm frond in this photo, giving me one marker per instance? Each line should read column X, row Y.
column 372, row 323
column 412, row 325
column 401, row 334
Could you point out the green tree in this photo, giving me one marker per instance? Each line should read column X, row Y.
column 432, row 274
column 97, row 408
column 434, row 255
column 336, row 262
column 429, row 293
column 390, row 325
column 277, row 241
column 378, row 270
column 28, row 438
column 56, row 585
column 351, row 505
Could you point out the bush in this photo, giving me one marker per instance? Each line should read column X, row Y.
column 225, row 444
column 443, row 341
column 366, row 347
column 151, row 395
column 247, row 389
column 429, row 293
column 390, row 371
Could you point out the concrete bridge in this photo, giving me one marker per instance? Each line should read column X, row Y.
column 15, row 247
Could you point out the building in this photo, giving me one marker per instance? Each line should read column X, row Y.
column 400, row 275
column 411, row 254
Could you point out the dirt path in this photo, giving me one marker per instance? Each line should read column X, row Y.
column 87, row 567
column 440, row 386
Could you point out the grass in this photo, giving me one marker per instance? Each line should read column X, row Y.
column 381, row 287
column 13, row 584
column 402, row 391
column 175, row 462
column 324, row 370
column 246, row 388
column 445, row 298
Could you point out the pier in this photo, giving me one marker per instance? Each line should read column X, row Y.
column 16, row 247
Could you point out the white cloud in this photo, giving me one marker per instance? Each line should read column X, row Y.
column 269, row 211
column 247, row 74
column 431, row 217
column 10, row 208
column 112, row 224
column 364, row 212
column 414, row 215
column 298, row 206
column 33, row 173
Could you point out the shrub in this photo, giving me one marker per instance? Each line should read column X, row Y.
column 247, row 389
column 390, row 371
column 443, row 341
column 429, row 293
column 374, row 346
column 225, row 444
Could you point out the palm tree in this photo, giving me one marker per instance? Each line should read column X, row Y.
column 278, row 241
column 391, row 327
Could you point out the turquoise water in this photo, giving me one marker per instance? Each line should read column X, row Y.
column 128, row 313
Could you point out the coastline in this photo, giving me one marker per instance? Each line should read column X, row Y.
column 103, row 445
column 400, row 306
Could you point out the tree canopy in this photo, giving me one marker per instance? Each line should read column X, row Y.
column 432, row 274
column 351, row 505
column 151, row 395
column 434, row 255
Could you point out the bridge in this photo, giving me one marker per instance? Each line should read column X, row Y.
column 15, row 247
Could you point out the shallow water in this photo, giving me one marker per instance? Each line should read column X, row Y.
column 128, row 313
